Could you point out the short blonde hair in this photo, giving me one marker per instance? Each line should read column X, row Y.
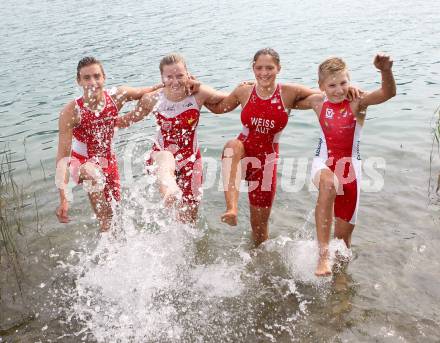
column 171, row 59
column 330, row 66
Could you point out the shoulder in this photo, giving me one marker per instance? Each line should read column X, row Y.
column 244, row 87
column 70, row 109
column 290, row 92
column 69, row 115
column 150, row 99
column 243, row 91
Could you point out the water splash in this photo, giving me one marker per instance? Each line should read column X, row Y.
column 146, row 281
column 301, row 256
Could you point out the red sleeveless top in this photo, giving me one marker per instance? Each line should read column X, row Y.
column 263, row 121
column 339, row 129
column 95, row 132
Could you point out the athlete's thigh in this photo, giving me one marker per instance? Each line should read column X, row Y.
column 346, row 204
column 319, row 168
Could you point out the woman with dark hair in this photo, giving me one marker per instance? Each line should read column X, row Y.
column 265, row 106
column 264, row 115
column 86, row 129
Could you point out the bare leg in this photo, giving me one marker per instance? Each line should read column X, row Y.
column 93, row 179
column 324, row 219
column 231, row 167
column 189, row 216
column 260, row 223
column 188, row 211
column 102, row 209
column 166, row 177
column 343, row 230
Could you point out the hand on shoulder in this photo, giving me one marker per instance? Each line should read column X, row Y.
column 192, row 85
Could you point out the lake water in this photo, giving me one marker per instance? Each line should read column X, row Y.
column 157, row 281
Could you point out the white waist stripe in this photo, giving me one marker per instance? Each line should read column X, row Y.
column 79, row 147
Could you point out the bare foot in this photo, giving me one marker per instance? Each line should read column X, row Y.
column 341, row 282
column 323, row 268
column 230, row 217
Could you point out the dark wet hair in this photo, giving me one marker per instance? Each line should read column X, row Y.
column 267, row 51
column 87, row 61
column 171, row 59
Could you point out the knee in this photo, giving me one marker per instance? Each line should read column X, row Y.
column 327, row 185
column 165, row 162
column 163, row 157
column 91, row 174
column 233, row 147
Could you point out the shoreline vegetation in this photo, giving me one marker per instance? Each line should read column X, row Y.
column 11, row 217
column 16, row 310
column 11, row 226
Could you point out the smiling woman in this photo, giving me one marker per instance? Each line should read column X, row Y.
column 264, row 115
column 175, row 154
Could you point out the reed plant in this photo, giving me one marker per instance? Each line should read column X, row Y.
column 11, row 218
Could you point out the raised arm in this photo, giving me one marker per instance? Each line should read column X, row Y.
column 388, row 89
column 142, row 109
column 66, row 122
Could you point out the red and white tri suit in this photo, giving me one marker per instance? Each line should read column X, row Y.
column 338, row 150
column 92, row 142
column 177, row 133
column 263, row 121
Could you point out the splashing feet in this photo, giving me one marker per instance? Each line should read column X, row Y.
column 230, row 217
column 323, row 267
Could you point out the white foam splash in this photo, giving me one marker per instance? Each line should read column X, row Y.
column 142, row 283
column 121, row 281
column 218, row 280
column 301, row 256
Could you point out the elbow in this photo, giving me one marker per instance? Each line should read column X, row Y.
column 392, row 93
column 389, row 93
column 393, row 90
column 215, row 110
